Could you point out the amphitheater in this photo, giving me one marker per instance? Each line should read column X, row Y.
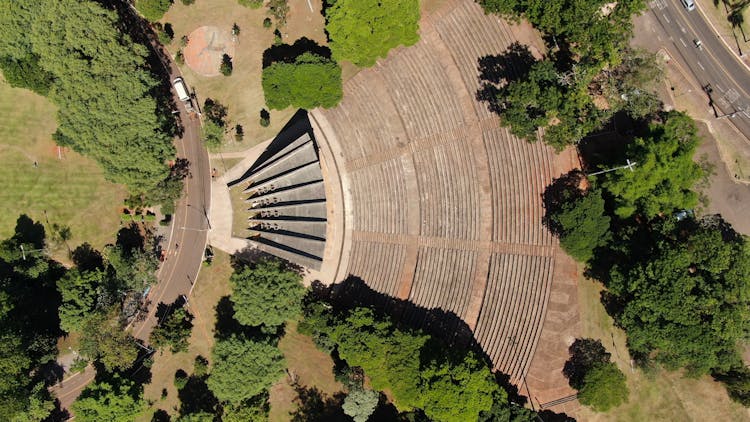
column 428, row 199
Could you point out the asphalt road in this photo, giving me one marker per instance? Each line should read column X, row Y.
column 714, row 66
column 186, row 243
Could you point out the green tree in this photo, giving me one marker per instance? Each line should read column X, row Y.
column 419, row 371
column 153, row 10
column 173, row 331
column 253, row 4
column 212, row 134
column 278, row 9
column 582, row 225
column 243, row 368
column 116, row 400
column 105, row 340
column 737, row 382
column 131, row 269
column 79, row 291
column 254, row 409
column 360, row 403
column 102, row 85
column 686, row 303
column 25, row 72
column 361, row 31
column 266, row 294
column 664, row 174
column 310, row 81
column 603, row 387
column 226, row 66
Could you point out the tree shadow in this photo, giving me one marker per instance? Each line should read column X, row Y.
column 496, row 71
column 161, row 415
column 196, row 397
column 51, row 373
column 86, row 258
column 227, row 326
column 130, row 238
column 286, row 53
column 585, row 353
column 445, row 326
column 315, row 406
column 164, row 310
column 29, row 231
column 58, row 413
column 562, row 190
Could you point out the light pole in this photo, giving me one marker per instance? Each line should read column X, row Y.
column 628, row 166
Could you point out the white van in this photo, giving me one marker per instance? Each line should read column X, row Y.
column 181, row 89
column 689, row 4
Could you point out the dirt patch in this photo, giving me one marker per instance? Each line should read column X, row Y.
column 726, row 197
column 205, row 49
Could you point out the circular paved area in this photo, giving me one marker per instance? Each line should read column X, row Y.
column 205, row 48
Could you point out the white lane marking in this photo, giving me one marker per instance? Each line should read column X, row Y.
column 666, row 18
column 683, row 30
column 683, row 42
column 719, row 87
column 701, row 66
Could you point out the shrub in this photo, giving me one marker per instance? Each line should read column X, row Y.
column 310, row 81
column 603, row 387
column 188, row 2
column 200, row 366
column 179, row 57
column 239, row 133
column 180, row 379
column 265, row 118
column 126, row 217
column 153, row 10
column 267, row 23
column 226, row 65
column 253, row 4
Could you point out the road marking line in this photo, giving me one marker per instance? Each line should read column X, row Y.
column 682, row 28
column 683, row 42
column 666, row 18
column 701, row 66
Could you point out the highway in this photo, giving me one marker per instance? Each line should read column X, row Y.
column 715, row 68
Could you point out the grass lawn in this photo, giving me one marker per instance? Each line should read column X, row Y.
column 212, row 284
column 310, row 365
column 658, row 396
column 72, row 190
column 242, row 92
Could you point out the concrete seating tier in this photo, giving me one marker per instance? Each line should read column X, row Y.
column 443, row 279
column 312, row 229
column 296, row 194
column 509, row 327
column 469, row 35
column 290, row 254
column 299, row 176
column 302, row 155
column 378, row 197
column 443, row 205
column 448, row 196
column 308, row 210
column 378, row 264
column 425, row 100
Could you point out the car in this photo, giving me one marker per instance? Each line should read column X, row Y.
column 689, row 4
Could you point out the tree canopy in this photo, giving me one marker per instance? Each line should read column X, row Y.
column 173, row 331
column 105, row 340
column 116, row 400
column 665, row 172
column 687, row 302
column 309, row 81
column 243, row 368
column 603, row 387
column 102, row 86
column 361, row 31
column 266, row 294
column 80, row 291
column 153, row 10
column 419, row 371
column 582, row 225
